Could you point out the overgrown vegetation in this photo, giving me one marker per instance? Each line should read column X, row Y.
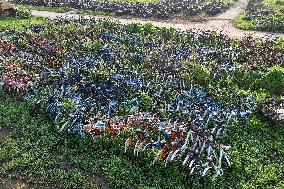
column 264, row 15
column 32, row 153
column 41, row 157
column 11, row 22
column 138, row 8
column 60, row 9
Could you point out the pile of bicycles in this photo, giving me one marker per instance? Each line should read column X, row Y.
column 266, row 16
column 170, row 94
column 161, row 9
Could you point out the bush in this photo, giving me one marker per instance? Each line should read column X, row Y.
column 146, row 101
column 23, row 13
column 244, row 23
column 200, row 74
column 274, row 80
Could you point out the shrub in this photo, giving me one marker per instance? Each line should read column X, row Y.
column 200, row 74
column 274, row 80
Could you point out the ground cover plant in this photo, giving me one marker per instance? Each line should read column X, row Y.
column 60, row 9
column 22, row 17
column 10, row 22
column 34, row 155
column 160, row 9
column 265, row 15
column 166, row 96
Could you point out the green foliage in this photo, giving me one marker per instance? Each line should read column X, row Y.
column 23, row 13
column 263, row 15
column 68, row 105
column 37, row 153
column 42, row 8
column 275, row 3
column 257, row 155
column 91, row 12
column 31, row 152
column 11, row 22
column 135, row 1
column 201, row 74
column 274, row 80
column 34, row 147
column 196, row 73
column 244, row 23
column 145, row 100
column 247, row 79
column 224, row 5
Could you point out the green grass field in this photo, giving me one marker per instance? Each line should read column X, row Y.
column 10, row 22
column 243, row 23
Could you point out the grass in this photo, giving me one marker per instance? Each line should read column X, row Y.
column 43, row 8
column 270, row 23
column 277, row 4
column 38, row 156
column 243, row 23
column 257, row 154
column 11, row 22
column 267, row 16
column 30, row 154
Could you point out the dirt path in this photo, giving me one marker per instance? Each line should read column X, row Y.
column 220, row 23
